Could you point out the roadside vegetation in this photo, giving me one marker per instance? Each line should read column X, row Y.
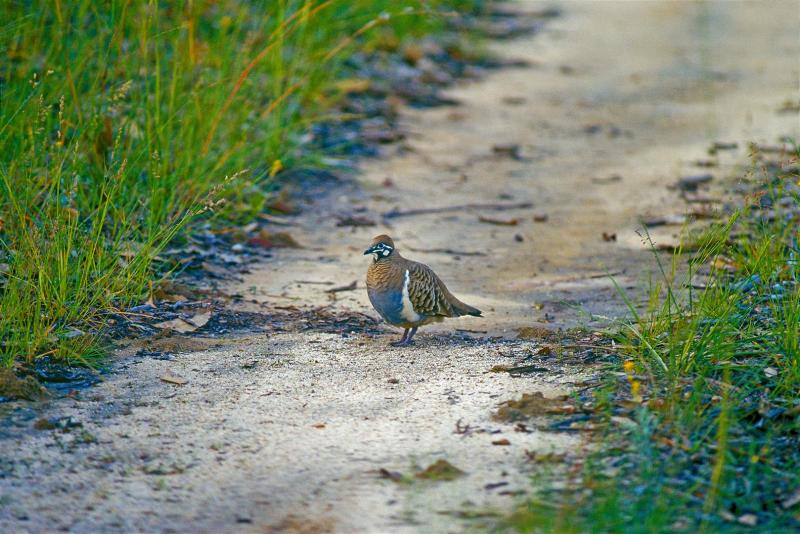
column 698, row 416
column 124, row 124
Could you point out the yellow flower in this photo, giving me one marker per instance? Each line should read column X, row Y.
column 635, row 387
column 754, row 459
column 628, row 366
column 224, row 22
column 277, row 167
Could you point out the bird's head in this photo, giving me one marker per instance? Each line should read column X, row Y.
column 382, row 246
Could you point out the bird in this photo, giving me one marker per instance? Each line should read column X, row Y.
column 406, row 293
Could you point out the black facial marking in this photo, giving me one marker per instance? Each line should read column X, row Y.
column 381, row 250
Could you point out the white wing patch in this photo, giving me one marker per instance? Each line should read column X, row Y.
column 408, row 312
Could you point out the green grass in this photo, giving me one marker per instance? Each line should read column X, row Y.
column 707, row 385
column 124, row 122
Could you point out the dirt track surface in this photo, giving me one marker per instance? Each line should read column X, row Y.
column 288, row 432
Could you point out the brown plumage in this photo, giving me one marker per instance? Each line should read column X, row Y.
column 406, row 293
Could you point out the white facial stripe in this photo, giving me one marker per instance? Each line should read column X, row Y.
column 382, row 250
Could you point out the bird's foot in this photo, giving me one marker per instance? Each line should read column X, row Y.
column 401, row 343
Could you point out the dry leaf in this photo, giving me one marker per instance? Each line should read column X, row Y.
column 184, row 326
column 391, row 475
column 173, row 379
column 201, row 319
column 770, row 372
column 267, row 239
column 749, row 520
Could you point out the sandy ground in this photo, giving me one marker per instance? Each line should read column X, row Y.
column 287, row 432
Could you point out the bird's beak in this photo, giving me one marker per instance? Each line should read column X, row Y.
column 370, row 250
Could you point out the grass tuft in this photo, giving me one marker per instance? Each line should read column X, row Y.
column 710, row 394
column 123, row 123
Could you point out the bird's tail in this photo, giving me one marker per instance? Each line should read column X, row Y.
column 465, row 309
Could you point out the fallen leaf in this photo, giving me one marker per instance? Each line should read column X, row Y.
column 727, row 516
column 502, row 441
column 513, row 100
column 691, row 183
column 391, row 475
column 413, row 53
column 533, row 332
column 609, row 236
column 201, row 319
column 541, row 458
column 770, row 372
column 511, row 150
column 267, row 239
column 184, row 326
column 607, row 179
column 749, row 520
column 722, row 145
column 664, row 220
column 173, row 379
column 540, row 217
column 282, row 204
column 319, row 425
column 168, row 291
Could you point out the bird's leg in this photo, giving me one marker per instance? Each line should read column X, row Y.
column 402, row 340
column 410, row 335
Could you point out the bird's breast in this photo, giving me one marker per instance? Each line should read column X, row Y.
column 387, row 288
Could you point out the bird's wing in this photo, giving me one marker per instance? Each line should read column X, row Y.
column 427, row 293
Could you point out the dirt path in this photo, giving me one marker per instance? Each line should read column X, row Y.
column 288, row 432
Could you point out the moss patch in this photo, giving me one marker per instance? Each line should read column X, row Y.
column 14, row 387
column 533, row 404
column 441, row 470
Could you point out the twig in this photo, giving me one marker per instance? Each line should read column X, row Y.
column 447, row 251
column 462, row 429
column 349, row 287
column 499, row 222
column 424, row 211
